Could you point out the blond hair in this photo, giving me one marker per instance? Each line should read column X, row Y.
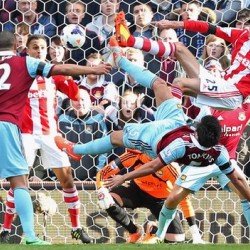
column 22, row 28
column 132, row 51
column 224, row 59
column 70, row 2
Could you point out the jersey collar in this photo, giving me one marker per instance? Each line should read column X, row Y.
column 7, row 53
column 197, row 144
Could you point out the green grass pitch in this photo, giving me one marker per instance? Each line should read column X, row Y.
column 129, row 247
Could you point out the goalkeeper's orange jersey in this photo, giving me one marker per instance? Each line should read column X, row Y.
column 158, row 185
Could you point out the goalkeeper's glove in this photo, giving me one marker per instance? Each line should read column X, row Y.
column 105, row 200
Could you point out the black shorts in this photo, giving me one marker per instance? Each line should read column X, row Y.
column 133, row 197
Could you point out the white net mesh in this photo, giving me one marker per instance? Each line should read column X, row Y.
column 218, row 213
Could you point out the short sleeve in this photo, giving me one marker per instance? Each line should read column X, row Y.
column 34, row 66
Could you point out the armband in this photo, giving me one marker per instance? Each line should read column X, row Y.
column 40, row 68
column 211, row 29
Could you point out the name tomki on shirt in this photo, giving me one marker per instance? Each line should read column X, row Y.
column 197, row 156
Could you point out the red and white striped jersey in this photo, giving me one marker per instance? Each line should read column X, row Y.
column 239, row 71
column 39, row 115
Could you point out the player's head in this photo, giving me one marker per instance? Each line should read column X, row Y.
column 37, row 47
column 7, row 41
column 208, row 131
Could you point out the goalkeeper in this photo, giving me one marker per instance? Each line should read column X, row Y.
column 149, row 192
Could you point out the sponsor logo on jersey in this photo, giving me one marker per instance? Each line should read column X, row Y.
column 37, row 94
column 243, row 60
column 230, row 129
column 152, row 184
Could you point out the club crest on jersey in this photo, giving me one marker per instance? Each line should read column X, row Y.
column 167, row 153
column 183, row 177
column 242, row 116
column 98, row 94
column 160, row 172
column 179, row 106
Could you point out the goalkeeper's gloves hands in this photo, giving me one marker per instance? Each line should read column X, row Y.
column 105, row 200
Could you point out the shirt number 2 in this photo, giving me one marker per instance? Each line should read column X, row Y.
column 6, row 73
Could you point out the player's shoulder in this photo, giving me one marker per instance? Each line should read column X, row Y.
column 10, row 57
column 14, row 61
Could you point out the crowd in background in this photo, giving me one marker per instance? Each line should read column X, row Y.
column 106, row 103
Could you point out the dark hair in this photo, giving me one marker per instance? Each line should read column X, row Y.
column 58, row 42
column 137, row 3
column 7, row 40
column 244, row 13
column 35, row 37
column 208, row 131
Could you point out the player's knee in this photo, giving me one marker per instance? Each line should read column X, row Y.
column 178, row 82
column 67, row 182
column 159, row 84
column 171, row 202
column 179, row 48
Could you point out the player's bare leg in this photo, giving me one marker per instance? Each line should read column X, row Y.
column 143, row 76
column 168, row 212
column 161, row 49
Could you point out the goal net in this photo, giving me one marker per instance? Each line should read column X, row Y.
column 218, row 213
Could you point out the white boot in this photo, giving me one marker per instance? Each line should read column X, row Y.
column 194, row 230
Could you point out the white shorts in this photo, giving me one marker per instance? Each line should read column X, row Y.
column 194, row 178
column 216, row 92
column 52, row 156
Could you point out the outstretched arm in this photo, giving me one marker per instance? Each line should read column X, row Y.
column 228, row 34
column 166, row 24
column 67, row 86
column 74, row 70
column 146, row 169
